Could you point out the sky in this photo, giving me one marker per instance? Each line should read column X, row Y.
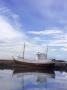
column 37, row 23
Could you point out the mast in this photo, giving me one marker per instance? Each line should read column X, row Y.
column 46, row 51
column 23, row 50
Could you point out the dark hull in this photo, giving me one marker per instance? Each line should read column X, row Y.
column 33, row 66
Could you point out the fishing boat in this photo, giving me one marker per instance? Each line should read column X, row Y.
column 41, row 63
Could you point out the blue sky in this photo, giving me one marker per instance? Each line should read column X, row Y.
column 38, row 23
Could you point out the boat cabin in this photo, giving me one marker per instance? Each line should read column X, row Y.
column 41, row 56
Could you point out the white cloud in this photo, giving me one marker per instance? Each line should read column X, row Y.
column 46, row 32
column 57, row 38
column 64, row 49
column 8, row 32
column 37, row 38
column 10, row 38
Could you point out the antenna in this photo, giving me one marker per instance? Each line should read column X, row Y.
column 23, row 50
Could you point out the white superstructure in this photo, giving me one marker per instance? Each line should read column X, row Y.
column 42, row 58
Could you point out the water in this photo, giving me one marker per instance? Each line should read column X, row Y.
column 12, row 80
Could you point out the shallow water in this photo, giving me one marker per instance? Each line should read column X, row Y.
column 32, row 81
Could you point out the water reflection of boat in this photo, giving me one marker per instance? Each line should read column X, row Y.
column 26, row 70
column 41, row 77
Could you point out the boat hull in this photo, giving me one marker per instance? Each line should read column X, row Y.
column 33, row 66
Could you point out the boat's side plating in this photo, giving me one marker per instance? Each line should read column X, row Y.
column 33, row 65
